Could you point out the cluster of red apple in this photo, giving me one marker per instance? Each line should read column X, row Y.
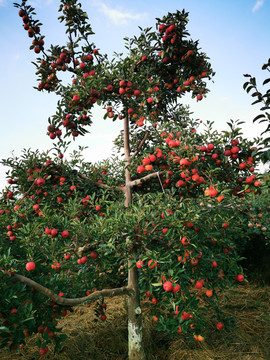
column 53, row 132
column 59, row 63
column 54, row 232
column 85, row 259
column 49, row 79
column 100, row 308
column 147, row 164
column 33, row 31
column 48, row 70
column 56, row 266
column 10, row 233
column 79, row 105
column 126, row 88
column 169, row 35
column 71, row 123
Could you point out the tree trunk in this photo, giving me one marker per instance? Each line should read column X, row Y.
column 135, row 340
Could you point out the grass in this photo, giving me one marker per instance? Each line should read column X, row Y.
column 91, row 340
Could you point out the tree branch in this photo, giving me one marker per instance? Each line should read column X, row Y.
column 145, row 178
column 104, row 186
column 140, row 145
column 68, row 301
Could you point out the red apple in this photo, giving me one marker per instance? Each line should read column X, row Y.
column 152, row 158
column 148, row 167
column 235, row 150
column 84, row 259
column 76, row 98
column 148, row 294
column 220, row 326
column 43, row 351
column 176, row 288
column 168, row 286
column 151, row 264
column 21, row 13
column 54, row 232
column 122, row 83
column 146, row 161
column 65, row 234
column 240, row 277
column 198, row 284
column 30, row 266
column 140, row 169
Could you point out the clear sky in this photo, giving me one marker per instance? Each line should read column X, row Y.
column 233, row 33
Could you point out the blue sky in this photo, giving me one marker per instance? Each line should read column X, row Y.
column 233, row 33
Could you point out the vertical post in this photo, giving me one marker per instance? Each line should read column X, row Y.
column 135, row 341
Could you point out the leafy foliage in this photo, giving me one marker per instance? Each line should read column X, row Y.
column 264, row 99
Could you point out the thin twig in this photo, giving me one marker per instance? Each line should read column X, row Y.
column 140, row 145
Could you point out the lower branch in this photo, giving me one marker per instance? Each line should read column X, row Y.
column 72, row 302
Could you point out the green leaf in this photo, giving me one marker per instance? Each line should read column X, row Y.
column 258, row 117
column 266, row 81
column 245, row 85
column 249, row 88
column 170, row 272
column 256, row 102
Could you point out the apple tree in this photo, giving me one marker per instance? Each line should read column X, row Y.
column 160, row 223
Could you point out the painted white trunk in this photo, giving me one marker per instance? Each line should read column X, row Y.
column 134, row 340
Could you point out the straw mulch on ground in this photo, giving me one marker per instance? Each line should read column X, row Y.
column 107, row 340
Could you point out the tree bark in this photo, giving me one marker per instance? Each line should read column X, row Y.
column 135, row 339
